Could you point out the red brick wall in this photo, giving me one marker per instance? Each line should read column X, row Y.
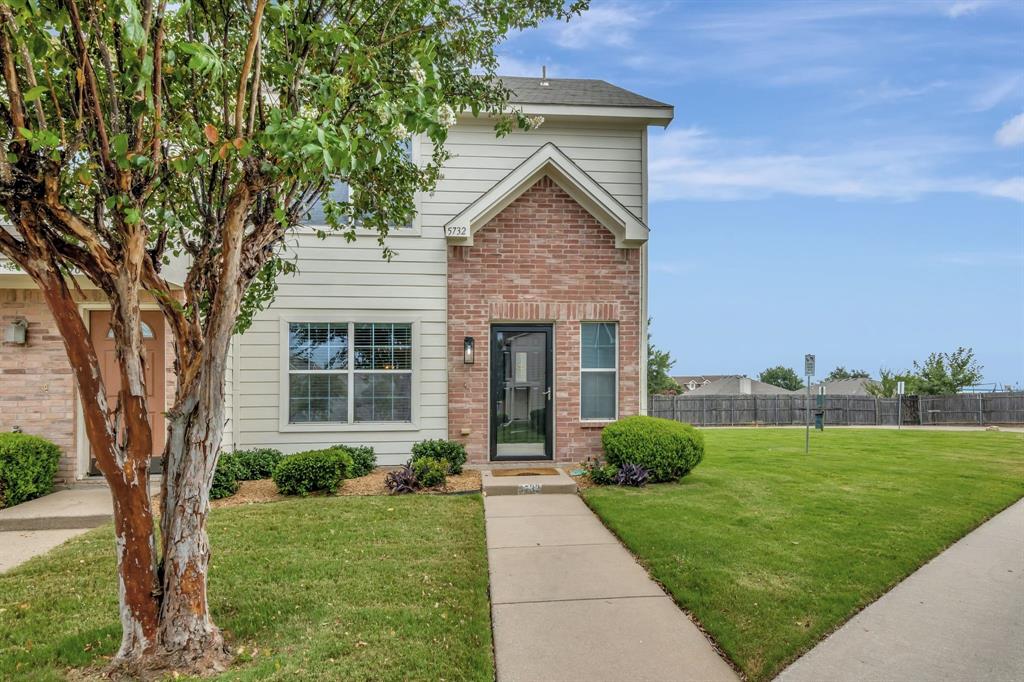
column 542, row 259
column 37, row 388
column 36, row 385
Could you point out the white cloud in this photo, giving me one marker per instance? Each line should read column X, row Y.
column 1007, row 189
column 963, row 7
column 613, row 25
column 691, row 164
column 1012, row 132
column 996, row 91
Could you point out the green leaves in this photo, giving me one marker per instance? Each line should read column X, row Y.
column 202, row 59
column 35, row 93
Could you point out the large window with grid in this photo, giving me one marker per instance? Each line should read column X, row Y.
column 343, row 372
column 598, row 370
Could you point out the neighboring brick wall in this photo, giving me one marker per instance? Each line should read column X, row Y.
column 37, row 387
column 542, row 259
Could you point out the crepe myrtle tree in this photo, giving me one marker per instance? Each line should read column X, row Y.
column 136, row 131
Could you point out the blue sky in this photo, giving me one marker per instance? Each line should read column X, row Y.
column 842, row 178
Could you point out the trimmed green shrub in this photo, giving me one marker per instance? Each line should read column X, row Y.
column 257, row 463
column 27, row 467
column 363, row 459
column 312, row 471
column 667, row 449
column 600, row 474
column 451, row 450
column 430, row 472
column 226, row 476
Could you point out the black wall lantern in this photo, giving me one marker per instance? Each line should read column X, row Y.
column 468, row 352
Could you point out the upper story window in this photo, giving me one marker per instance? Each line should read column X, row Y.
column 340, row 191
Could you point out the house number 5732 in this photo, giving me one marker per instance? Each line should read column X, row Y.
column 456, row 231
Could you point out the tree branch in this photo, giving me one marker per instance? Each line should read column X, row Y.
column 17, row 105
column 93, row 90
column 250, row 51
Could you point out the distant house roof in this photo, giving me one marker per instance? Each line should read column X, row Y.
column 845, row 386
column 737, row 385
column 697, row 380
column 574, row 91
column 701, row 378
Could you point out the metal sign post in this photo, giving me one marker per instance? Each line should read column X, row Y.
column 809, row 372
column 900, row 387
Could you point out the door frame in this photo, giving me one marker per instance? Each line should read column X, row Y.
column 83, row 463
column 495, row 383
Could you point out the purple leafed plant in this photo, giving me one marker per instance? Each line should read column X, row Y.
column 401, row 481
column 632, row 475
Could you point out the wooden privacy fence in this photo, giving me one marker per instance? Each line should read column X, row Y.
column 840, row 410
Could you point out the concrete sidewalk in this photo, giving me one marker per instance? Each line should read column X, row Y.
column 37, row 526
column 570, row 603
column 959, row 617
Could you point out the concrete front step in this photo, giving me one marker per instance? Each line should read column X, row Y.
column 79, row 507
column 559, row 484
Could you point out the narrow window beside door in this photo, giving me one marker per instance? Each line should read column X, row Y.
column 598, row 370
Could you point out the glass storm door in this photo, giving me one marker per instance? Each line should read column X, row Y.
column 521, row 395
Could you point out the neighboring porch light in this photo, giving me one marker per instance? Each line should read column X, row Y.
column 467, row 350
column 16, row 331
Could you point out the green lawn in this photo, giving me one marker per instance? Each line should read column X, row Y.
column 338, row 588
column 772, row 549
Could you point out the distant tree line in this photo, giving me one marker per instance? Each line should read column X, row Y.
column 939, row 374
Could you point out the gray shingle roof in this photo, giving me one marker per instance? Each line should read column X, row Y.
column 574, row 91
column 739, row 386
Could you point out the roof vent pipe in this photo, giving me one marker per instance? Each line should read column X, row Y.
column 544, row 76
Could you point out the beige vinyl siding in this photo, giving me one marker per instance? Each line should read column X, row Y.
column 342, row 281
column 611, row 153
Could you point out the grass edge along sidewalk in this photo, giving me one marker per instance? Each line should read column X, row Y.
column 315, row 588
column 771, row 549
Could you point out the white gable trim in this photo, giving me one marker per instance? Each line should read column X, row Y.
column 630, row 232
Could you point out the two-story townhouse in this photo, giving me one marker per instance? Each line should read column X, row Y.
column 512, row 317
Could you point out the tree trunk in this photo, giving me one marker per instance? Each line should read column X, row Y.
column 136, row 561
column 189, row 640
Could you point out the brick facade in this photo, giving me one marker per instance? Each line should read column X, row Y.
column 542, row 259
column 37, row 387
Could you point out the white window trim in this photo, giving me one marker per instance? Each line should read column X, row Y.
column 414, row 230
column 284, row 426
column 602, row 420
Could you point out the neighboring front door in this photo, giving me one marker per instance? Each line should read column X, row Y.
column 153, row 342
column 521, row 394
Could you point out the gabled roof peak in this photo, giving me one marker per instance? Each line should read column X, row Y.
column 550, row 161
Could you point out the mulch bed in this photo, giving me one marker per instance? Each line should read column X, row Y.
column 583, row 481
column 373, row 484
column 254, row 492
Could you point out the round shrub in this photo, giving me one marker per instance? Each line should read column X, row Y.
column 667, row 449
column 27, row 467
column 430, row 472
column 363, row 459
column 226, row 476
column 257, row 463
column 451, row 450
column 312, row 471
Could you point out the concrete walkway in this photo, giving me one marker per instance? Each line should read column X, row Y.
column 37, row 526
column 570, row 603
column 959, row 617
